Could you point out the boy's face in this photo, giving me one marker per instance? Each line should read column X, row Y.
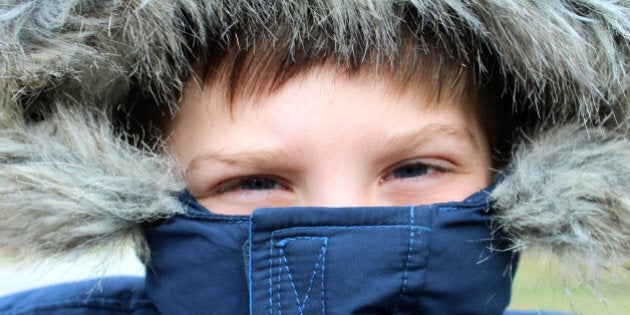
column 327, row 139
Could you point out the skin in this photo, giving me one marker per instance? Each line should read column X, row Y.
column 328, row 139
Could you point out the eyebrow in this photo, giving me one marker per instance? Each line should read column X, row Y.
column 268, row 159
column 271, row 159
column 406, row 143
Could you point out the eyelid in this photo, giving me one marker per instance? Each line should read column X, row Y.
column 437, row 163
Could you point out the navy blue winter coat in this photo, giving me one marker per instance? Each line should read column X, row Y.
column 435, row 259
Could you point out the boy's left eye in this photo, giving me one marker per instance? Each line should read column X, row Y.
column 412, row 170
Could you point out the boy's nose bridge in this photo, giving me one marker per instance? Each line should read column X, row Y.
column 338, row 197
column 339, row 182
column 340, row 193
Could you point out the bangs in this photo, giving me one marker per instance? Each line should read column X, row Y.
column 251, row 66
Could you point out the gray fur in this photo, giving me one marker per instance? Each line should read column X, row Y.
column 91, row 50
column 571, row 53
column 69, row 182
column 567, row 192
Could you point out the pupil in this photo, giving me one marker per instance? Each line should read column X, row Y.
column 411, row 171
column 258, row 184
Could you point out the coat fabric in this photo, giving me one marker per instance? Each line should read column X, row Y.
column 82, row 82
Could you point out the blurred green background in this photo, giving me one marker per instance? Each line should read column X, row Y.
column 538, row 286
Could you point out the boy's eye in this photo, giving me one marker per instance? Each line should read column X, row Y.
column 257, row 183
column 244, row 192
column 252, row 183
column 411, row 170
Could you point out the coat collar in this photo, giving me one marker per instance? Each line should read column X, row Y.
column 420, row 259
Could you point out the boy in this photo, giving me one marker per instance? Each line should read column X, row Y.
column 336, row 156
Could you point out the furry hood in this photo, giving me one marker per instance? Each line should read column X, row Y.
column 70, row 181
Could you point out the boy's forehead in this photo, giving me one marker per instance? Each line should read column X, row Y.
column 327, row 84
column 324, row 95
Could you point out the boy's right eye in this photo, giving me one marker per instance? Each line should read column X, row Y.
column 250, row 183
column 241, row 194
column 258, row 184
